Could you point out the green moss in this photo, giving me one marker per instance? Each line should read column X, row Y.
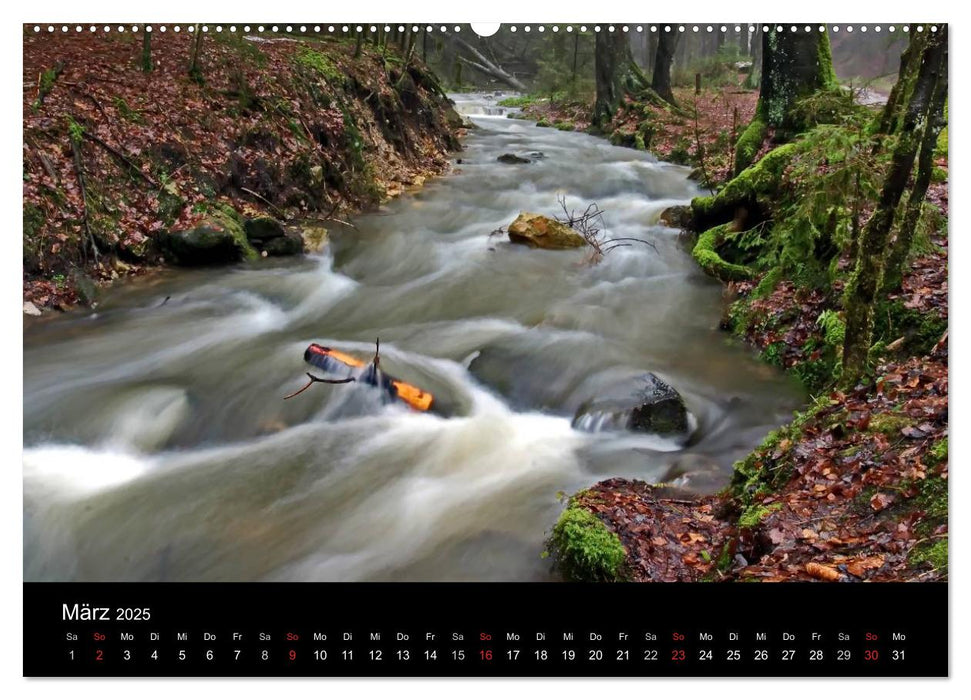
column 920, row 330
column 321, row 64
column 938, row 452
column 711, row 262
column 768, row 283
column 745, row 189
column 231, row 220
column 544, row 122
column 564, row 126
column 519, row 101
column 126, row 112
column 755, row 514
column 749, row 143
column 584, row 549
column 933, row 554
column 889, row 424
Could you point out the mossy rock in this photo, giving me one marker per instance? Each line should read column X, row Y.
column 263, row 228
column 220, row 239
column 291, row 243
column 706, row 255
column 584, row 549
column 565, row 126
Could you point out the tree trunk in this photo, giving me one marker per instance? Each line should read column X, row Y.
column 485, row 65
column 794, row 66
column 893, row 274
column 612, row 62
column 194, row 71
column 866, row 280
column 146, row 50
column 651, row 51
column 900, row 94
column 661, row 80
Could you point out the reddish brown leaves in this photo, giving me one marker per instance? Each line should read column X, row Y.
column 667, row 539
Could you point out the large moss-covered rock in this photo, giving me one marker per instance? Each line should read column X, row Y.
column 538, row 231
column 291, row 243
column 219, row 239
column 584, row 549
column 263, row 228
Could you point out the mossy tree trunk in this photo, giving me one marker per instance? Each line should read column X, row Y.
column 794, row 66
column 611, row 60
column 861, row 292
column 146, row 50
column 667, row 44
column 936, row 121
column 910, row 61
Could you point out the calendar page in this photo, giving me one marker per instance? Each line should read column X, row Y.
column 520, row 349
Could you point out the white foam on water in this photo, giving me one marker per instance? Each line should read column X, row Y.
column 65, row 472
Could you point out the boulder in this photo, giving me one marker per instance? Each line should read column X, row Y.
column 263, row 228
column 512, row 159
column 31, row 309
column 291, row 243
column 660, row 408
column 220, row 239
column 538, row 231
column 653, row 406
column 314, row 238
column 676, row 217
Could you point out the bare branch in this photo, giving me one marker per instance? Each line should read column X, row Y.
column 316, row 380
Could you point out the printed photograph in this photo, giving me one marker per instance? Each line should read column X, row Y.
column 566, row 302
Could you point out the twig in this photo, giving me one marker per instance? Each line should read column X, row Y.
column 315, row 380
column 44, row 160
column 79, row 169
column 121, row 156
column 258, row 195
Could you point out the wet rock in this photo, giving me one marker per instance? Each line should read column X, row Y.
column 31, row 309
column 661, row 409
column 263, row 228
column 512, row 159
column 538, row 231
column 652, row 406
column 221, row 239
column 86, row 287
column 291, row 243
column 315, row 238
column 676, row 217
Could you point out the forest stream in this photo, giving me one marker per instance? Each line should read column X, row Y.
column 158, row 446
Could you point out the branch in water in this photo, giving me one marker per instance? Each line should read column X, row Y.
column 315, row 380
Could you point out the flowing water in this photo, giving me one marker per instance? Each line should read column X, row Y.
column 157, row 445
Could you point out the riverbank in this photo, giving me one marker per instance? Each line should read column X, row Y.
column 303, row 129
column 701, row 132
column 855, row 486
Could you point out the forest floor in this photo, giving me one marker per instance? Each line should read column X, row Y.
column 294, row 127
column 856, row 486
